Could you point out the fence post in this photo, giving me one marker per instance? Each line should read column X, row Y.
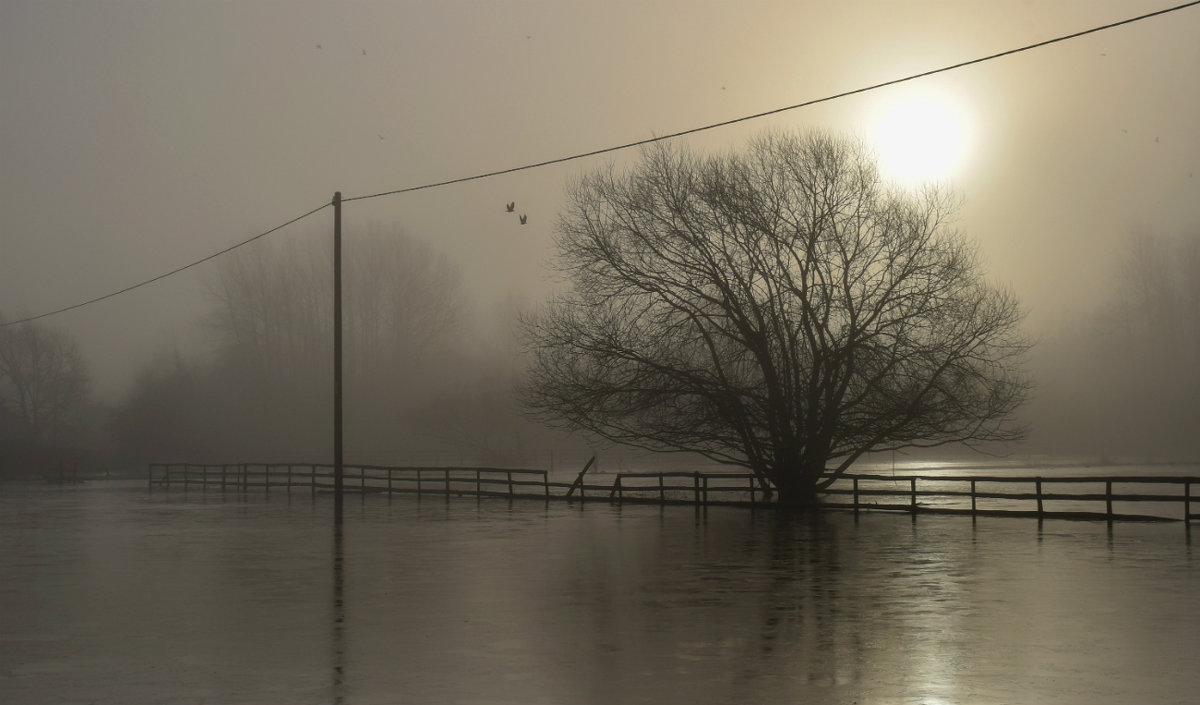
column 579, row 479
column 696, row 487
column 856, row 495
column 418, row 482
column 1187, row 503
column 362, row 481
column 446, row 473
column 312, row 479
column 478, row 486
column 1037, row 483
column 389, row 471
column 662, row 495
column 705, row 488
column 266, row 478
column 1108, row 499
column 751, row 480
column 289, row 479
column 912, row 493
column 510, row 486
column 546, row 484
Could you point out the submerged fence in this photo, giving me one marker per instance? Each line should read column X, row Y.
column 516, row 483
column 481, row 482
column 1117, row 497
column 1156, row 498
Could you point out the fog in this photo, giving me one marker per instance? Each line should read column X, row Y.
column 140, row 137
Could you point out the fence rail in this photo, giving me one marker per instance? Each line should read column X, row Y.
column 1152, row 498
column 1117, row 497
column 240, row 477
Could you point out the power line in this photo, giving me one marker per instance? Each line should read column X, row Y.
column 627, row 145
column 755, row 116
column 166, row 274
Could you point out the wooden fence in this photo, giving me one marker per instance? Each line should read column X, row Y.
column 1105, row 497
column 288, row 477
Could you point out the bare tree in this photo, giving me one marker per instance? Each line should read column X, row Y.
column 273, row 313
column 778, row 309
column 43, row 380
column 274, row 305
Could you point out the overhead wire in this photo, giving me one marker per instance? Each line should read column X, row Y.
column 164, row 275
column 776, row 111
column 628, row 145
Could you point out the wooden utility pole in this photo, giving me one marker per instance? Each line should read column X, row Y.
column 337, row 356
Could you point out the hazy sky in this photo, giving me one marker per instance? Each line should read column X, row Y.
column 136, row 137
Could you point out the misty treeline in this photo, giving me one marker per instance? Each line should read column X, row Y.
column 421, row 382
column 1123, row 379
column 429, row 379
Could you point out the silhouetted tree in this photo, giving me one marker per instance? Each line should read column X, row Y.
column 778, row 309
column 43, row 381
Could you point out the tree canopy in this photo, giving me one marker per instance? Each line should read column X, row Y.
column 779, row 308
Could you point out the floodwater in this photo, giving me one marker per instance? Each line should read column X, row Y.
column 110, row 594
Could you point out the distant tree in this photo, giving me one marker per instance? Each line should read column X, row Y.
column 1136, row 389
column 272, row 313
column 274, row 305
column 1157, row 285
column 160, row 417
column 778, row 309
column 43, row 381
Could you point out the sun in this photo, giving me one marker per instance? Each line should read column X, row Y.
column 921, row 136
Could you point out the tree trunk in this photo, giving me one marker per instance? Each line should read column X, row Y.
column 798, row 487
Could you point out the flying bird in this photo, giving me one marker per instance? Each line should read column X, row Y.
column 509, row 208
column 522, row 219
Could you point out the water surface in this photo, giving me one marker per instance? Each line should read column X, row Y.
column 114, row 595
